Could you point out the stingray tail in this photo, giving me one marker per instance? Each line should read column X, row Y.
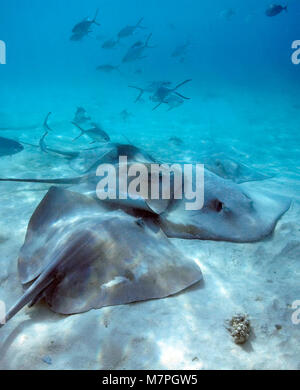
column 138, row 25
column 42, row 144
column 30, row 296
column 45, row 125
column 46, row 128
column 31, row 127
column 74, row 180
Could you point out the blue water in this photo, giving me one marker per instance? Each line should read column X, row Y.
column 241, row 68
column 244, row 102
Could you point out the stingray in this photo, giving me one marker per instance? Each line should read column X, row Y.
column 16, row 128
column 78, row 257
column 236, row 213
column 9, row 147
column 232, row 212
column 88, row 160
column 228, row 168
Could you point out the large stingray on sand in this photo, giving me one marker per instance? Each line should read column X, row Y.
column 232, row 212
column 79, row 257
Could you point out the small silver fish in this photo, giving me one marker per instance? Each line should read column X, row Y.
column 181, row 50
column 135, row 52
column 107, row 68
column 84, row 27
column 95, row 133
column 129, row 30
column 173, row 101
column 227, row 14
column 110, row 44
column 274, row 10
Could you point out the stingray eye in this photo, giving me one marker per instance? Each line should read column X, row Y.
column 217, row 205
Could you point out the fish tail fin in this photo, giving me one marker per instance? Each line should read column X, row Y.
column 181, row 84
column 285, row 8
column 182, row 96
column 139, row 22
column 156, row 107
column 81, row 131
column 95, row 18
column 140, row 94
column 29, row 297
column 147, row 42
column 138, row 25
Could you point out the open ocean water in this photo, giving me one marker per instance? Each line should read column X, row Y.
column 238, row 115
